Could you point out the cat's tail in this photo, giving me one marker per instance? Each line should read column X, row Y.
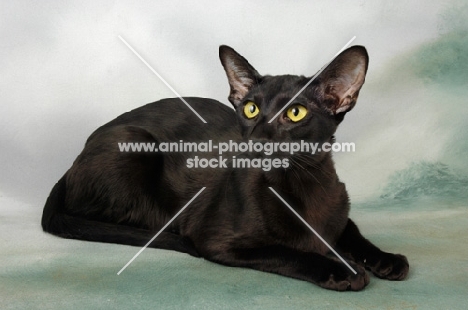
column 59, row 223
column 52, row 206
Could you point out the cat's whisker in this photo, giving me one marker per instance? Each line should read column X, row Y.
column 309, row 173
column 295, row 173
column 312, row 164
column 310, row 161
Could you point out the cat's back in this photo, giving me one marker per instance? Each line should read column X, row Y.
column 171, row 120
column 106, row 178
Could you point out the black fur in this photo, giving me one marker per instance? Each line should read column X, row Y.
column 119, row 197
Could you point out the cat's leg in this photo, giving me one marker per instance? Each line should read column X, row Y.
column 311, row 267
column 382, row 264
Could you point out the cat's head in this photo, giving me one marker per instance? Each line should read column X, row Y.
column 313, row 115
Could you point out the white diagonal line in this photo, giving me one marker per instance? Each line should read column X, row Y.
column 313, row 230
column 161, row 78
column 165, row 226
column 310, row 81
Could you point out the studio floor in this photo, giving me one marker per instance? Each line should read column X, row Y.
column 40, row 271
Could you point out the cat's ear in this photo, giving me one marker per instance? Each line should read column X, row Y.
column 341, row 81
column 241, row 75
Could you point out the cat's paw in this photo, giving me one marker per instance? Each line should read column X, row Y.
column 343, row 279
column 389, row 266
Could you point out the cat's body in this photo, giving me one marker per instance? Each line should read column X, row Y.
column 126, row 197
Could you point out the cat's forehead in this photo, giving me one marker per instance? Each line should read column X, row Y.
column 280, row 86
column 287, row 79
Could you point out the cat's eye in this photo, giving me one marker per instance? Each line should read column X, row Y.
column 251, row 110
column 296, row 112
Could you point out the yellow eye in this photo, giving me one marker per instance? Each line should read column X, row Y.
column 251, row 110
column 296, row 112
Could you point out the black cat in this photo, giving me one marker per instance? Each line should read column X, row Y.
column 126, row 197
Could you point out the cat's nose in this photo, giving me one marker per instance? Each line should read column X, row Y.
column 262, row 131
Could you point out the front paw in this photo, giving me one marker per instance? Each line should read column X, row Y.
column 343, row 279
column 389, row 266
